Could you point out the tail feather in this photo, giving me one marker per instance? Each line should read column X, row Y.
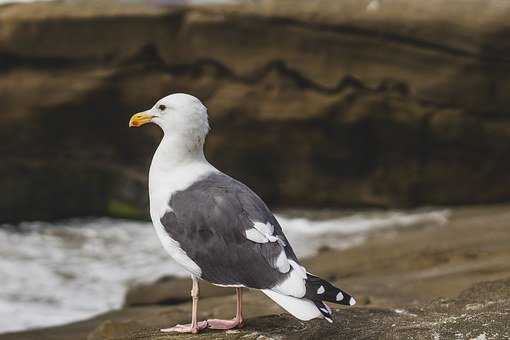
column 303, row 309
column 324, row 310
column 310, row 305
column 318, row 289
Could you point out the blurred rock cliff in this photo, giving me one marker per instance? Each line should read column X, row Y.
column 312, row 103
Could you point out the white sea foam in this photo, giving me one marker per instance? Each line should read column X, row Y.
column 56, row 273
column 307, row 236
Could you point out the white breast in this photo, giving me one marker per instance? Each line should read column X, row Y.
column 162, row 184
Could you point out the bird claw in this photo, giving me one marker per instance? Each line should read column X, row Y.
column 224, row 324
column 186, row 328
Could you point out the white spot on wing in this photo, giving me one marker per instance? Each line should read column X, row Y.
column 339, row 296
column 352, row 301
column 264, row 228
column 282, row 263
column 254, row 235
column 321, row 290
column 266, row 231
column 263, row 233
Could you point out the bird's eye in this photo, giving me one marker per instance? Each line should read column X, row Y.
column 162, row 107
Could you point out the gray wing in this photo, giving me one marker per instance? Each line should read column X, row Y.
column 210, row 220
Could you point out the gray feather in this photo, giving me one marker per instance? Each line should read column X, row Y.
column 209, row 220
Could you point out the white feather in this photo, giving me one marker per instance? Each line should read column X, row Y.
column 164, row 180
column 339, row 296
column 228, row 286
column 264, row 228
column 294, row 284
column 263, row 233
column 254, row 235
column 301, row 271
column 303, row 309
column 282, row 263
column 289, row 294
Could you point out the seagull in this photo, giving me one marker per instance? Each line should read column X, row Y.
column 217, row 228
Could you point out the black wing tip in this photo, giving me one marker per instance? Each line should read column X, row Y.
column 324, row 310
column 346, row 299
column 352, row 301
column 320, row 289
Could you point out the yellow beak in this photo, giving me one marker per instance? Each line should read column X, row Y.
column 139, row 119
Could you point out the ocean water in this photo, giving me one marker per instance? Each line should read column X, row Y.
column 62, row 272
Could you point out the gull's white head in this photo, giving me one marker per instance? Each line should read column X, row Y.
column 179, row 114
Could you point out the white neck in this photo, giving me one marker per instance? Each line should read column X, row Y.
column 176, row 165
column 175, row 151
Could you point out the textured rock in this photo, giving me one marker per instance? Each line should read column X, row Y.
column 401, row 105
column 445, row 319
column 472, row 314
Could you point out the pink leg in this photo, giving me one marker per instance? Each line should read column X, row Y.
column 233, row 323
column 194, row 327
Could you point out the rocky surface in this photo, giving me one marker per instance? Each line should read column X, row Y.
column 480, row 310
column 430, row 282
column 380, row 103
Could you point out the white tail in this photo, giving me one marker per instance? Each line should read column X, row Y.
column 303, row 309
